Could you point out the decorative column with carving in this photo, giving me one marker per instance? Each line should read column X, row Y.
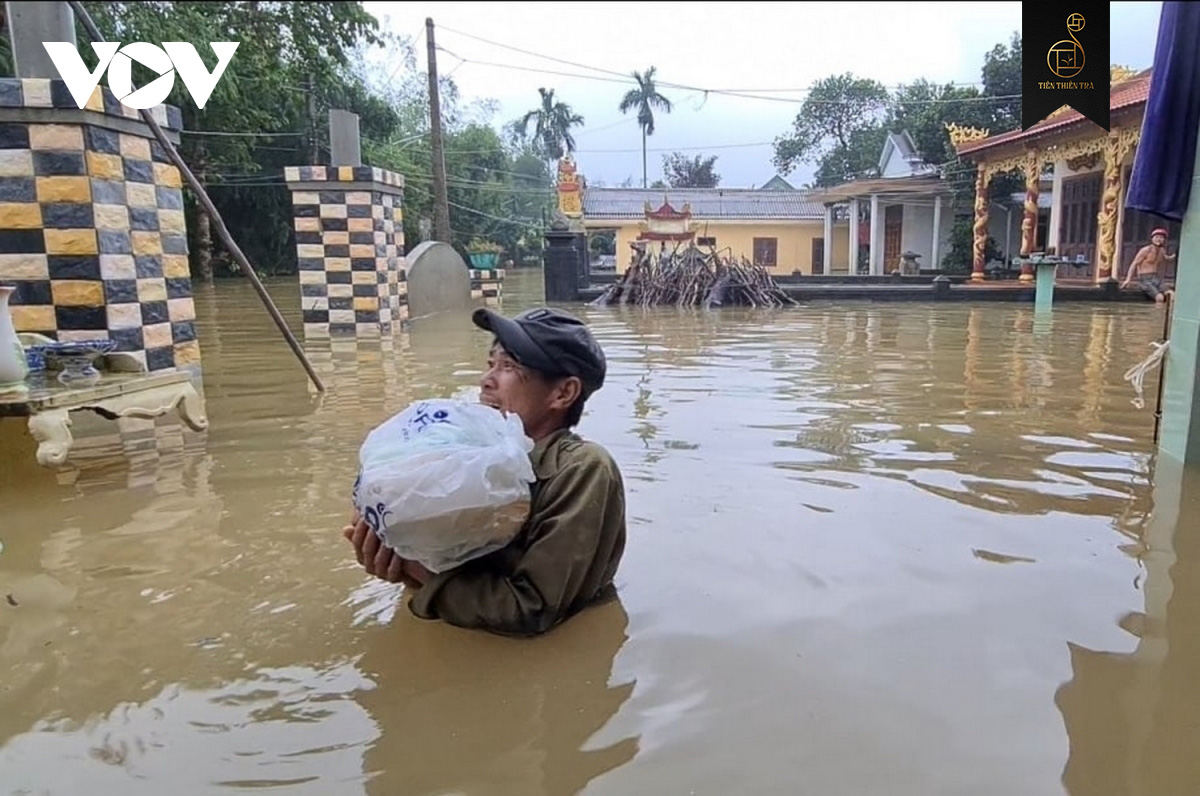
column 1118, row 144
column 959, row 137
column 980, row 228
column 1033, row 178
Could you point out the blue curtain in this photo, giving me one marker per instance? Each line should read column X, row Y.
column 1162, row 169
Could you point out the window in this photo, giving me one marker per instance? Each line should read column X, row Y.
column 765, row 252
column 706, row 242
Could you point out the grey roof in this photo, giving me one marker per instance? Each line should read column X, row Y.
column 777, row 183
column 706, row 203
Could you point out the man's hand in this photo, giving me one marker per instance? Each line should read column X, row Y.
column 378, row 560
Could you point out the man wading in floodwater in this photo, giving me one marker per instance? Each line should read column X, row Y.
column 1146, row 267
column 543, row 366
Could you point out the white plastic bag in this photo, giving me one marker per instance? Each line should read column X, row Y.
column 445, row 481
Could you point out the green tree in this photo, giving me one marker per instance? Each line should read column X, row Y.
column 998, row 111
column 838, row 129
column 552, row 122
column 645, row 98
column 694, row 172
column 290, row 51
column 1002, row 79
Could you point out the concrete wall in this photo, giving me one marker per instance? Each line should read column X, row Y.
column 917, row 233
column 794, row 240
column 998, row 221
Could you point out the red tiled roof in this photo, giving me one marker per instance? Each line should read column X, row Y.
column 1129, row 94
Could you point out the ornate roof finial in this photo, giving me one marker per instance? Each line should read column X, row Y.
column 961, row 134
column 1119, row 74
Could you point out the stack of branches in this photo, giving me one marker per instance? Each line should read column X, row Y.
column 689, row 277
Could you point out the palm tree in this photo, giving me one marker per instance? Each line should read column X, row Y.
column 552, row 128
column 645, row 98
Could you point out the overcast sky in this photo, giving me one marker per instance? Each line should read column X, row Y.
column 762, row 48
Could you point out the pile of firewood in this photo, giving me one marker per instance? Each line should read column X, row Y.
column 693, row 278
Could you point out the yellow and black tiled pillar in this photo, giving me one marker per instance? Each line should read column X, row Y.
column 487, row 284
column 92, row 230
column 349, row 249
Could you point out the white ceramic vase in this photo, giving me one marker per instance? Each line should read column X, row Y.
column 13, row 367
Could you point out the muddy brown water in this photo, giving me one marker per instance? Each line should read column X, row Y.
column 873, row 549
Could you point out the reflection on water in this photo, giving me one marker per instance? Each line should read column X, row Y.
column 902, row 549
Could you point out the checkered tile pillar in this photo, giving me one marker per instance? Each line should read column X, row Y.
column 349, row 248
column 92, row 230
column 487, row 284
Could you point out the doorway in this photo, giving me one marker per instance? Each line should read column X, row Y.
column 893, row 224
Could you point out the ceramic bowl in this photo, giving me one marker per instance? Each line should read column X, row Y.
column 77, row 358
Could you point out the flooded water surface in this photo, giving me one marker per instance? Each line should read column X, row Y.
column 873, row 549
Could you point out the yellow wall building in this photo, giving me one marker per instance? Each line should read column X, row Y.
column 783, row 230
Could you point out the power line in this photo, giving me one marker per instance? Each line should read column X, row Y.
column 415, row 42
column 626, row 151
column 529, row 224
column 743, row 95
column 628, row 77
column 223, row 134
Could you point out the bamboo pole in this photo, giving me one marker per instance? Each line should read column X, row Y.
column 222, row 231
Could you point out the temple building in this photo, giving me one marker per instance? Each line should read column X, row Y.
column 1088, row 171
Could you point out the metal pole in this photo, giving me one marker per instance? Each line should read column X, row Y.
column 222, row 230
column 1162, row 369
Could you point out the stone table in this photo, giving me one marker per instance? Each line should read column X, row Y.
column 49, row 403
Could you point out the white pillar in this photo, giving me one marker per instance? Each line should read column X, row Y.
column 876, row 261
column 827, row 265
column 937, row 232
column 345, row 147
column 853, row 236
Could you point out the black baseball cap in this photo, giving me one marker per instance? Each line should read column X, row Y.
column 550, row 341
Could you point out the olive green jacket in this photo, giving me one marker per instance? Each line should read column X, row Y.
column 564, row 557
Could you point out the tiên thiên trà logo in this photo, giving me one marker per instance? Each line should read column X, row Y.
column 1065, row 60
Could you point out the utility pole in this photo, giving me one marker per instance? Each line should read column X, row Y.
column 441, row 200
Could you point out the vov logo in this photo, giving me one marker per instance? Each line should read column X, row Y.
column 172, row 57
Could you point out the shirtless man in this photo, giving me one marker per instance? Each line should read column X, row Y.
column 1146, row 264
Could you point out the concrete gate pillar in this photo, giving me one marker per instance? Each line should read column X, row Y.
column 349, row 222
column 92, row 230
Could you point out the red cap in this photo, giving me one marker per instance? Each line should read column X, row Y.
column 1159, row 231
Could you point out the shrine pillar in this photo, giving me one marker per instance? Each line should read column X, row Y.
column 1117, row 146
column 1033, row 178
column 983, row 179
column 961, row 136
column 565, row 265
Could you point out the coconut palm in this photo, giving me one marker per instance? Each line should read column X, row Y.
column 645, row 98
column 552, row 123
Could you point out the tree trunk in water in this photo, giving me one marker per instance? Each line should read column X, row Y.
column 203, row 226
column 644, row 183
